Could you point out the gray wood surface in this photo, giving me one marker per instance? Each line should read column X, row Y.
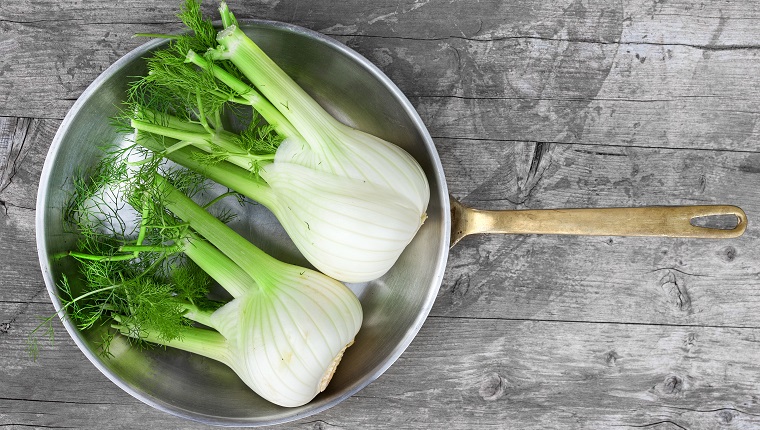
column 532, row 105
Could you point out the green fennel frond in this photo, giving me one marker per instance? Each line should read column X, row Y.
column 104, row 344
column 173, row 88
column 215, row 155
column 96, row 193
column 131, row 268
column 203, row 32
column 177, row 87
column 259, row 139
column 32, row 340
column 153, row 304
column 187, row 279
column 257, row 143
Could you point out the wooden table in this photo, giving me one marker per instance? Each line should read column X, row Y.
column 531, row 105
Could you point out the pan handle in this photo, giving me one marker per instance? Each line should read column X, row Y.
column 667, row 221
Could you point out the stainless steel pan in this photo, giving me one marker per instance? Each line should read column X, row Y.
column 395, row 306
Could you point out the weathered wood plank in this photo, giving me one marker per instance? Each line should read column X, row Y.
column 45, row 69
column 527, row 374
column 607, row 280
column 504, row 175
column 560, row 375
column 646, row 22
column 606, row 74
column 20, row 274
column 62, row 389
column 630, row 95
column 24, row 144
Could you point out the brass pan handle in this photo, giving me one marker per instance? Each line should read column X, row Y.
column 668, row 221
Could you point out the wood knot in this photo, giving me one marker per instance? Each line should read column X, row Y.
column 321, row 425
column 611, row 358
column 729, row 254
column 675, row 290
column 492, row 387
column 725, row 416
column 461, row 286
column 690, row 342
column 672, row 385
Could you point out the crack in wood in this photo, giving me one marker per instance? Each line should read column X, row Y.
column 39, row 21
column 599, row 153
column 709, row 411
column 64, row 402
column 8, row 325
column 86, row 22
column 705, row 47
column 575, row 99
column 525, row 166
column 15, row 149
column 679, row 271
column 539, row 154
column 15, row 425
column 321, row 425
column 609, row 145
column 599, row 322
column 673, row 423
column 676, row 290
column 5, row 205
column 539, row 162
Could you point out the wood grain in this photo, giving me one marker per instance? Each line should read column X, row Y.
column 531, row 105
column 579, row 375
column 605, row 73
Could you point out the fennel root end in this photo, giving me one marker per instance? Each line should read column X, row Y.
column 327, row 377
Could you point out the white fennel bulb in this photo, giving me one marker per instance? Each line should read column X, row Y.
column 285, row 340
column 330, row 152
column 286, row 328
column 358, row 155
column 347, row 228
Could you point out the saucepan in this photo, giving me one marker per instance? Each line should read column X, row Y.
column 395, row 306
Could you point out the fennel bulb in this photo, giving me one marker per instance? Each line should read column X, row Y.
column 353, row 230
column 283, row 332
column 286, row 333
